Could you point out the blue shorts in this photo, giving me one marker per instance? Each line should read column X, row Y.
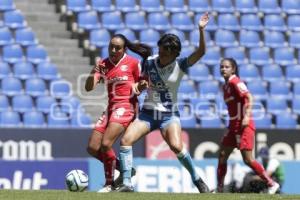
column 155, row 119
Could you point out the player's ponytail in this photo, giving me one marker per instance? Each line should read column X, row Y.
column 234, row 64
column 139, row 48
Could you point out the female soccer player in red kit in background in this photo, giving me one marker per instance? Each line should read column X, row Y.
column 241, row 131
column 120, row 71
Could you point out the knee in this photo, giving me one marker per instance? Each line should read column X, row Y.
column 248, row 161
column 176, row 147
column 106, row 145
column 222, row 157
column 126, row 141
column 92, row 150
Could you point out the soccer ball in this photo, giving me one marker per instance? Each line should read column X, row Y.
column 77, row 180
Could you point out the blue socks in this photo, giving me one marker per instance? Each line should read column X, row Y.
column 185, row 159
column 126, row 163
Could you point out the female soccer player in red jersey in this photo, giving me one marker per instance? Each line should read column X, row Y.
column 119, row 71
column 241, row 131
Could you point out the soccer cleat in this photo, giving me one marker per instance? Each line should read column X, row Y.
column 202, row 187
column 274, row 188
column 124, row 188
column 119, row 180
column 106, row 188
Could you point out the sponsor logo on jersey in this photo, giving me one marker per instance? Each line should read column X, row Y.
column 124, row 68
column 116, row 79
column 242, row 87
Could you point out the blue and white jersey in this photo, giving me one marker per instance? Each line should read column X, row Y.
column 163, row 83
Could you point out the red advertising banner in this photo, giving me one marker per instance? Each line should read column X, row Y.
column 157, row 148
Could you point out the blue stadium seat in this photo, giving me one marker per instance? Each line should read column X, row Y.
column 295, row 105
column 212, row 56
column 47, row 71
column 211, row 121
column 151, row 6
column 186, row 51
column 102, row 5
column 229, row 22
column 88, row 20
column 6, row 37
column 274, row 22
column 58, row 120
column 188, row 122
column 24, row 70
column 251, row 22
column 200, row 106
column 70, row 105
column 199, row 72
column 290, row 6
column 103, row 53
column 12, row 53
column 238, row 53
column 35, row 87
column 246, row 6
column 195, row 35
column 249, row 72
column 182, row 22
column 274, row 39
column 209, row 89
column 25, row 37
column 11, row 86
column 4, row 70
column 175, row 6
column 10, row 119
column 263, row 121
column 158, row 21
column 135, row 21
column 186, row 90
column 280, row 89
column 284, row 56
column 99, row 38
column 220, row 106
column 112, row 20
column 212, row 24
column 293, row 22
column 181, row 35
column 225, row 38
column 77, row 6
column 294, row 40
column 258, row 89
column 4, row 103
column 34, row 119
column 126, row 5
column 222, row 6
column 199, row 6
column 128, row 33
column 6, row 5
column 14, row 19
column 272, row 73
column 150, row 37
column 22, row 103
column 296, row 89
column 45, row 103
column 269, row 6
column 216, row 73
column 276, row 106
column 292, row 73
column 60, row 89
column 81, row 120
column 286, row 121
column 249, row 39
column 36, row 54
column 260, row 56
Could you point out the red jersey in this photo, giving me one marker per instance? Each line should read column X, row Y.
column 119, row 79
column 235, row 92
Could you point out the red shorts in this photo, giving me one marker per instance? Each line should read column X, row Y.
column 121, row 115
column 243, row 140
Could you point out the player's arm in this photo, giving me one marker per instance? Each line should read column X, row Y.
column 93, row 79
column 248, row 110
column 200, row 51
column 141, row 82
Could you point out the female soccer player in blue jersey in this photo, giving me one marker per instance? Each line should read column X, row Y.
column 162, row 75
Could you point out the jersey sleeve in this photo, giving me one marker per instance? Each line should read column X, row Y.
column 136, row 72
column 240, row 88
column 184, row 64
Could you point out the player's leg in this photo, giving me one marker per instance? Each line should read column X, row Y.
column 224, row 153
column 171, row 132
column 94, row 145
column 134, row 132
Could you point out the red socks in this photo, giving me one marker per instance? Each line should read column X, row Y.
column 109, row 161
column 260, row 171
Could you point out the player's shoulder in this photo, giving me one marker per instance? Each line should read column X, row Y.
column 132, row 59
column 234, row 80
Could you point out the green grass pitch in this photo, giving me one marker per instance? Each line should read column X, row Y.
column 66, row 195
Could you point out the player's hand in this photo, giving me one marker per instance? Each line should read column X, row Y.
column 99, row 65
column 203, row 20
column 245, row 122
column 142, row 85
